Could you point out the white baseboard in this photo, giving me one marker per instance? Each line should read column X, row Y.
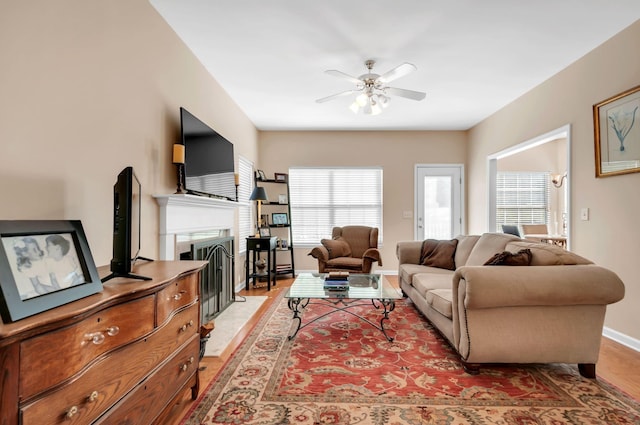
column 621, row 338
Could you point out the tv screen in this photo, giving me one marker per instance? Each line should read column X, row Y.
column 126, row 225
column 209, row 160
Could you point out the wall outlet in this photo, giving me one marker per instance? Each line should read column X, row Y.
column 584, row 214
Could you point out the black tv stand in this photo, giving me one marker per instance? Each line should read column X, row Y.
column 142, row 258
column 127, row 275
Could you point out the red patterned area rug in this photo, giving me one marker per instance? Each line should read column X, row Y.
column 341, row 370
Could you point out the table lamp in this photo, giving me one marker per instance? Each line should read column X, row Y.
column 258, row 194
column 178, row 160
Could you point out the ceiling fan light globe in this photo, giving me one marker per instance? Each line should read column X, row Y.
column 375, row 109
column 362, row 100
column 354, row 107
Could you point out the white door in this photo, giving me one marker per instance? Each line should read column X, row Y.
column 438, row 201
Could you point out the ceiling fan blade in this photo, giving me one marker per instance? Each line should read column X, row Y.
column 397, row 72
column 342, row 75
column 409, row 94
column 333, row 96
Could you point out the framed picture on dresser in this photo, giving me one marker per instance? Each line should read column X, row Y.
column 43, row 264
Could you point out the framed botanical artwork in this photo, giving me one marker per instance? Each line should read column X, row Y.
column 279, row 219
column 616, row 123
column 43, row 265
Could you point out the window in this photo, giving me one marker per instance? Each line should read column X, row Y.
column 522, row 198
column 245, row 223
column 322, row 198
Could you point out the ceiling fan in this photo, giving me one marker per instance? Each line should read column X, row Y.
column 373, row 89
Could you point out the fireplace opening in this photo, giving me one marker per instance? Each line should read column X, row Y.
column 217, row 278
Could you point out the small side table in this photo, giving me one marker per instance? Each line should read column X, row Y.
column 257, row 245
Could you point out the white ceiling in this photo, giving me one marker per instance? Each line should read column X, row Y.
column 473, row 57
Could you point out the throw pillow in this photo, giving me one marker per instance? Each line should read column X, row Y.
column 506, row 258
column 337, row 247
column 439, row 253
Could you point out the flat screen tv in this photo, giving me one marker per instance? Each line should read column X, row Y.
column 209, row 161
column 127, row 202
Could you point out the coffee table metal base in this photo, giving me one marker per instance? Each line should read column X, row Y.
column 297, row 306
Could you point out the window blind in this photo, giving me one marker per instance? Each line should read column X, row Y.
column 522, row 198
column 322, row 198
column 245, row 222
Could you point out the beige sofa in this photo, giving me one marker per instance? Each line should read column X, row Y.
column 551, row 311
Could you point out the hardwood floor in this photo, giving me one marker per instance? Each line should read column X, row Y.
column 617, row 365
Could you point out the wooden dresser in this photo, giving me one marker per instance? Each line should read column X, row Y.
column 118, row 357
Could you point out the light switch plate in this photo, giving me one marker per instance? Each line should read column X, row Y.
column 584, row 214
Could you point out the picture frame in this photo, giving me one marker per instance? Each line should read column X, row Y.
column 280, row 177
column 265, row 232
column 264, row 220
column 279, row 219
column 261, row 175
column 616, row 123
column 43, row 264
column 282, row 199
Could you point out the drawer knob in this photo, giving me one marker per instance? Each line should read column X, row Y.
column 179, row 295
column 97, row 338
column 94, row 396
column 184, row 367
column 184, row 327
column 72, row 411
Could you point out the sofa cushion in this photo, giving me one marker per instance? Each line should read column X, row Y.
column 507, row 258
column 544, row 254
column 465, row 245
column 435, row 278
column 438, row 253
column 440, row 301
column 488, row 245
column 344, row 263
column 337, row 247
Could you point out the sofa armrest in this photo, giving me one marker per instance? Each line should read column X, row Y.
column 373, row 255
column 369, row 257
column 506, row 286
column 408, row 252
column 320, row 253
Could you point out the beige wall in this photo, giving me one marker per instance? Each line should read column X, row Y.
column 612, row 236
column 87, row 88
column 396, row 152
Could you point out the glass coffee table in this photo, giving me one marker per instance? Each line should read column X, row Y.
column 363, row 289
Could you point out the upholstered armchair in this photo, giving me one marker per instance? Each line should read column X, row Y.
column 352, row 249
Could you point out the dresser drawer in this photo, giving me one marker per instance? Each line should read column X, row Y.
column 178, row 294
column 142, row 405
column 95, row 390
column 49, row 359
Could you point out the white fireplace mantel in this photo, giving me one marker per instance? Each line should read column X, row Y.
column 187, row 214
